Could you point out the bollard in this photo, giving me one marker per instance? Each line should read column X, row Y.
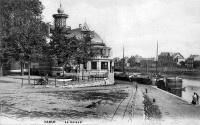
column 1, row 108
column 146, row 91
column 132, row 112
column 22, row 83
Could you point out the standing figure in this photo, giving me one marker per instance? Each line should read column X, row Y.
column 194, row 99
column 197, row 99
column 136, row 86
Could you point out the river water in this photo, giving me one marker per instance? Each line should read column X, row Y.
column 192, row 85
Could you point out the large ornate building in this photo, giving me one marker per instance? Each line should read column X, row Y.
column 101, row 62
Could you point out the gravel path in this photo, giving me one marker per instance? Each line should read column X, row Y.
column 89, row 104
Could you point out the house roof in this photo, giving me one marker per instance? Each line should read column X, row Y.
column 174, row 55
column 193, row 56
column 78, row 34
column 178, row 55
column 164, row 54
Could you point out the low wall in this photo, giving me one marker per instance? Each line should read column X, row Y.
column 92, row 84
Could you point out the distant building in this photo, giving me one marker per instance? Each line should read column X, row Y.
column 119, row 62
column 177, row 57
column 116, row 61
column 190, row 60
column 169, row 59
column 148, row 62
column 138, row 58
column 126, row 64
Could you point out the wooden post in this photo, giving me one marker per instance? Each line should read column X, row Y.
column 1, row 109
column 64, row 82
column 82, row 74
column 78, row 78
column 131, row 112
column 22, row 83
column 55, row 81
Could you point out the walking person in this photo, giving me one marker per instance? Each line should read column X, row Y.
column 194, row 99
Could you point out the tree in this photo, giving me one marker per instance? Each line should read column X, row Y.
column 182, row 63
column 84, row 53
column 131, row 61
column 59, row 46
column 5, row 49
column 196, row 64
column 26, row 32
column 68, row 51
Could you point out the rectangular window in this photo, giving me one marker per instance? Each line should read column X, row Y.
column 93, row 65
column 104, row 65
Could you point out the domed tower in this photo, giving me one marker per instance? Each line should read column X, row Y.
column 60, row 21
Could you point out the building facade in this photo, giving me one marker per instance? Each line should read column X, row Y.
column 189, row 62
column 148, row 62
column 169, row 59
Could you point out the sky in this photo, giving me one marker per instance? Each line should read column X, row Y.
column 136, row 24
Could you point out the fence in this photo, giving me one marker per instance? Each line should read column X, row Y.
column 62, row 81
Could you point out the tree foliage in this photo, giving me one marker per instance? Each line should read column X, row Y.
column 59, row 46
column 24, row 32
column 196, row 64
column 70, row 50
column 132, row 61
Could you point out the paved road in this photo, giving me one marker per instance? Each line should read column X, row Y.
column 174, row 109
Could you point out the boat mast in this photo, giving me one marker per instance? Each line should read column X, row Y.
column 123, row 62
column 157, row 59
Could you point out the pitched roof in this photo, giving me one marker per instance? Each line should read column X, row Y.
column 85, row 27
column 171, row 54
column 178, row 55
column 164, row 54
column 193, row 56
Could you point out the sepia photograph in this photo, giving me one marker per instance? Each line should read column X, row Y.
column 99, row 62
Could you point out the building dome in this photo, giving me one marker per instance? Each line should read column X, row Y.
column 96, row 39
column 60, row 10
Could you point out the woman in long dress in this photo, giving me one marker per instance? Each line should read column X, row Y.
column 194, row 99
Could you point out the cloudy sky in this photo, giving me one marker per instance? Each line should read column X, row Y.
column 136, row 24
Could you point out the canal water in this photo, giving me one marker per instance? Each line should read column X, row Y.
column 191, row 86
